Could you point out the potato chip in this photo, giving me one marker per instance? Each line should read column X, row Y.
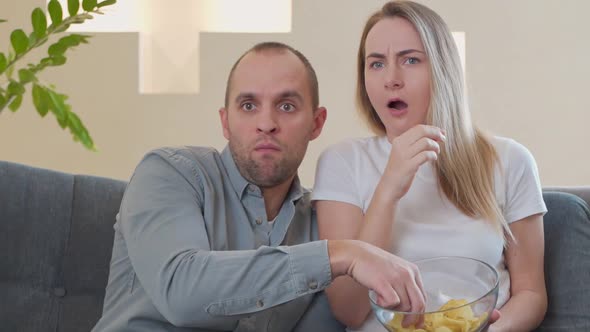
column 461, row 319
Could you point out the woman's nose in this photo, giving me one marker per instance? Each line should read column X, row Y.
column 394, row 84
column 394, row 79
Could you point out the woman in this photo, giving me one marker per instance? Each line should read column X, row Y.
column 430, row 183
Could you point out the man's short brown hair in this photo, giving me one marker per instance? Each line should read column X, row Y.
column 268, row 46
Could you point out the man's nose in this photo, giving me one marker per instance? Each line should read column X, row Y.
column 267, row 122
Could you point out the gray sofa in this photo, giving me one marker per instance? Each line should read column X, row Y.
column 56, row 236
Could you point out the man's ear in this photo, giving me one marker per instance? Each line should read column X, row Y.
column 224, row 122
column 319, row 118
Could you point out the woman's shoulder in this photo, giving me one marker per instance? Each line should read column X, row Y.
column 359, row 145
column 510, row 151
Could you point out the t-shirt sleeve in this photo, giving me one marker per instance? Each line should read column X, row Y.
column 524, row 196
column 335, row 177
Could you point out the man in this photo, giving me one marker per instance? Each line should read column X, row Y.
column 225, row 241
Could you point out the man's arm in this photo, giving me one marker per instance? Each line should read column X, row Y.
column 190, row 285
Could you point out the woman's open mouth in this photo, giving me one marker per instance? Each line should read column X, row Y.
column 397, row 107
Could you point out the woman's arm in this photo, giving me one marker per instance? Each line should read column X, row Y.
column 349, row 300
column 337, row 220
column 524, row 259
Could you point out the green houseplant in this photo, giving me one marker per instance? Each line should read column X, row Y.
column 16, row 77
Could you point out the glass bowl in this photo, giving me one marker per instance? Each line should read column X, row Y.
column 461, row 294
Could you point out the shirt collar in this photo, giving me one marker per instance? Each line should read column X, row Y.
column 237, row 180
column 240, row 184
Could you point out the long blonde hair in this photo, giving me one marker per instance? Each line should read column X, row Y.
column 466, row 163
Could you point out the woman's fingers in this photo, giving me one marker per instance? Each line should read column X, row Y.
column 423, row 144
column 421, row 158
column 415, row 133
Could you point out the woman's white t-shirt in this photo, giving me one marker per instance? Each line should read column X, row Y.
column 427, row 224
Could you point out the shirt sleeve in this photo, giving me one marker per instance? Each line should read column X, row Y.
column 335, row 178
column 524, row 196
column 190, row 285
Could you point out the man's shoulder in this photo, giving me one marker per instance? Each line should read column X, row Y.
column 195, row 153
column 194, row 160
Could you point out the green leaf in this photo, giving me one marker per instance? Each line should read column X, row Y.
column 73, row 7
column 75, row 122
column 2, row 102
column 19, row 41
column 54, row 61
column 32, row 39
column 61, row 46
column 40, row 99
column 58, row 60
column 3, row 62
column 80, row 132
column 16, row 103
column 74, row 40
column 55, row 11
column 58, row 107
column 88, row 5
column 15, row 88
column 26, row 76
column 9, row 70
column 106, row 3
column 2, row 21
column 39, row 22
column 57, row 49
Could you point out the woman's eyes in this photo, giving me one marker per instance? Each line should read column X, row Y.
column 376, row 65
column 412, row 61
column 407, row 61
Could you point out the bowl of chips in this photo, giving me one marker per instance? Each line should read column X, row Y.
column 461, row 294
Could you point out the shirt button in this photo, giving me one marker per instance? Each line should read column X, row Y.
column 259, row 304
column 258, row 221
column 251, row 188
column 313, row 285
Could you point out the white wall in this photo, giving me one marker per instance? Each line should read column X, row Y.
column 526, row 65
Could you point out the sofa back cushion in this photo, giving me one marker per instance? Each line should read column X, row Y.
column 56, row 234
column 33, row 236
column 567, row 263
column 95, row 203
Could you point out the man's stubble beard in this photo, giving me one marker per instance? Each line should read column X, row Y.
column 263, row 173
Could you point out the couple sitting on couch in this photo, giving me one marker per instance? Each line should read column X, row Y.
column 228, row 241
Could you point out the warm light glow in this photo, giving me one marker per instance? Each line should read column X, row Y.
column 246, row 16
column 169, row 33
column 169, row 47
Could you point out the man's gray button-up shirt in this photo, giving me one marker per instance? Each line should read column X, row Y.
column 191, row 252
